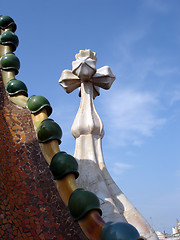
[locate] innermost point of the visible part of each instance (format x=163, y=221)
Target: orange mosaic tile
x=30, y=206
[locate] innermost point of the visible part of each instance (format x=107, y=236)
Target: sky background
x=140, y=41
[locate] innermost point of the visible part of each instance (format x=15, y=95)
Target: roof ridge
x=84, y=206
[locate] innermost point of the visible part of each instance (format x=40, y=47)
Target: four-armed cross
x=88, y=132
x=88, y=128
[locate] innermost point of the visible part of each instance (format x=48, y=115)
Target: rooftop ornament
x=36, y=103
x=84, y=70
x=7, y=22
x=9, y=38
x=88, y=128
x=15, y=87
x=9, y=62
x=88, y=131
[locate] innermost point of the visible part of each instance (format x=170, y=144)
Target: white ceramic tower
x=88, y=131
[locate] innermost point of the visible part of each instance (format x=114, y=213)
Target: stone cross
x=88, y=131
x=88, y=128
x=84, y=70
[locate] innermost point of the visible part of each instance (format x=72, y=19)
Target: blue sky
x=140, y=41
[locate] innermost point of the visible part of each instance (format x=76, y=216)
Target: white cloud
x=135, y=114
x=136, y=65
x=175, y=95
x=126, y=42
x=159, y=5
x=132, y=115
x=164, y=71
x=119, y=168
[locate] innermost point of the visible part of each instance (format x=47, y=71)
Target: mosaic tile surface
x=30, y=206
